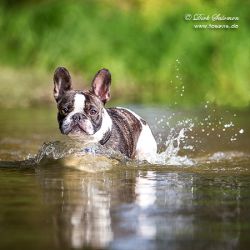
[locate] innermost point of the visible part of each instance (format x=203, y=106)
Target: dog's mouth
x=80, y=129
x=76, y=129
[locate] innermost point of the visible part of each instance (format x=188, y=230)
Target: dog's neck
x=103, y=134
x=106, y=137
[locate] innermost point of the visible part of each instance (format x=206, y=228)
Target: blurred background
x=154, y=54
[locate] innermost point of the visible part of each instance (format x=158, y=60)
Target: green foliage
x=141, y=43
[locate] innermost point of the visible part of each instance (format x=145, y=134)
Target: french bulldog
x=83, y=113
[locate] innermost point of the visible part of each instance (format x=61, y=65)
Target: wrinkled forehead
x=92, y=99
x=79, y=99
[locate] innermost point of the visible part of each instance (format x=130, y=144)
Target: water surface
x=195, y=195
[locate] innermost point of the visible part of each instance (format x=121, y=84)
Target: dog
x=83, y=113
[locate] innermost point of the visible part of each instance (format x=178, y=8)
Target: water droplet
x=229, y=125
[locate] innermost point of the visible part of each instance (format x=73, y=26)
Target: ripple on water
x=92, y=158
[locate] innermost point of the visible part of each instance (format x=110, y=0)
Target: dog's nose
x=78, y=117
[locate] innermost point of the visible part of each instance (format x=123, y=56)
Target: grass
x=150, y=49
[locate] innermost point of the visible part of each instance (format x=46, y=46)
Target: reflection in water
x=146, y=209
x=159, y=199
x=145, y=190
x=131, y=208
x=82, y=209
x=90, y=219
x=119, y=209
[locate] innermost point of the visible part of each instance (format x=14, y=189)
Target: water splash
x=212, y=124
x=222, y=124
x=174, y=149
x=91, y=157
x=174, y=143
x=177, y=139
x=77, y=155
x=178, y=81
x=225, y=156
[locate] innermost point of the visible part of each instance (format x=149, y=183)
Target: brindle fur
x=125, y=132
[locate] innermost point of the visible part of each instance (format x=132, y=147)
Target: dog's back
x=135, y=136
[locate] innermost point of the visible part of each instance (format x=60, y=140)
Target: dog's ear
x=101, y=85
x=62, y=82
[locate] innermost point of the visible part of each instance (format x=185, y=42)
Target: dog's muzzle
x=80, y=123
x=78, y=118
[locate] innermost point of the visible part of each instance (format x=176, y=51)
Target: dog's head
x=81, y=112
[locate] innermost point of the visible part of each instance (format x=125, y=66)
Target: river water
x=195, y=194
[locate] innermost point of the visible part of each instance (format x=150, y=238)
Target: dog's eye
x=92, y=111
x=64, y=111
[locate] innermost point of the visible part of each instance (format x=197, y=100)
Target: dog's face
x=81, y=112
